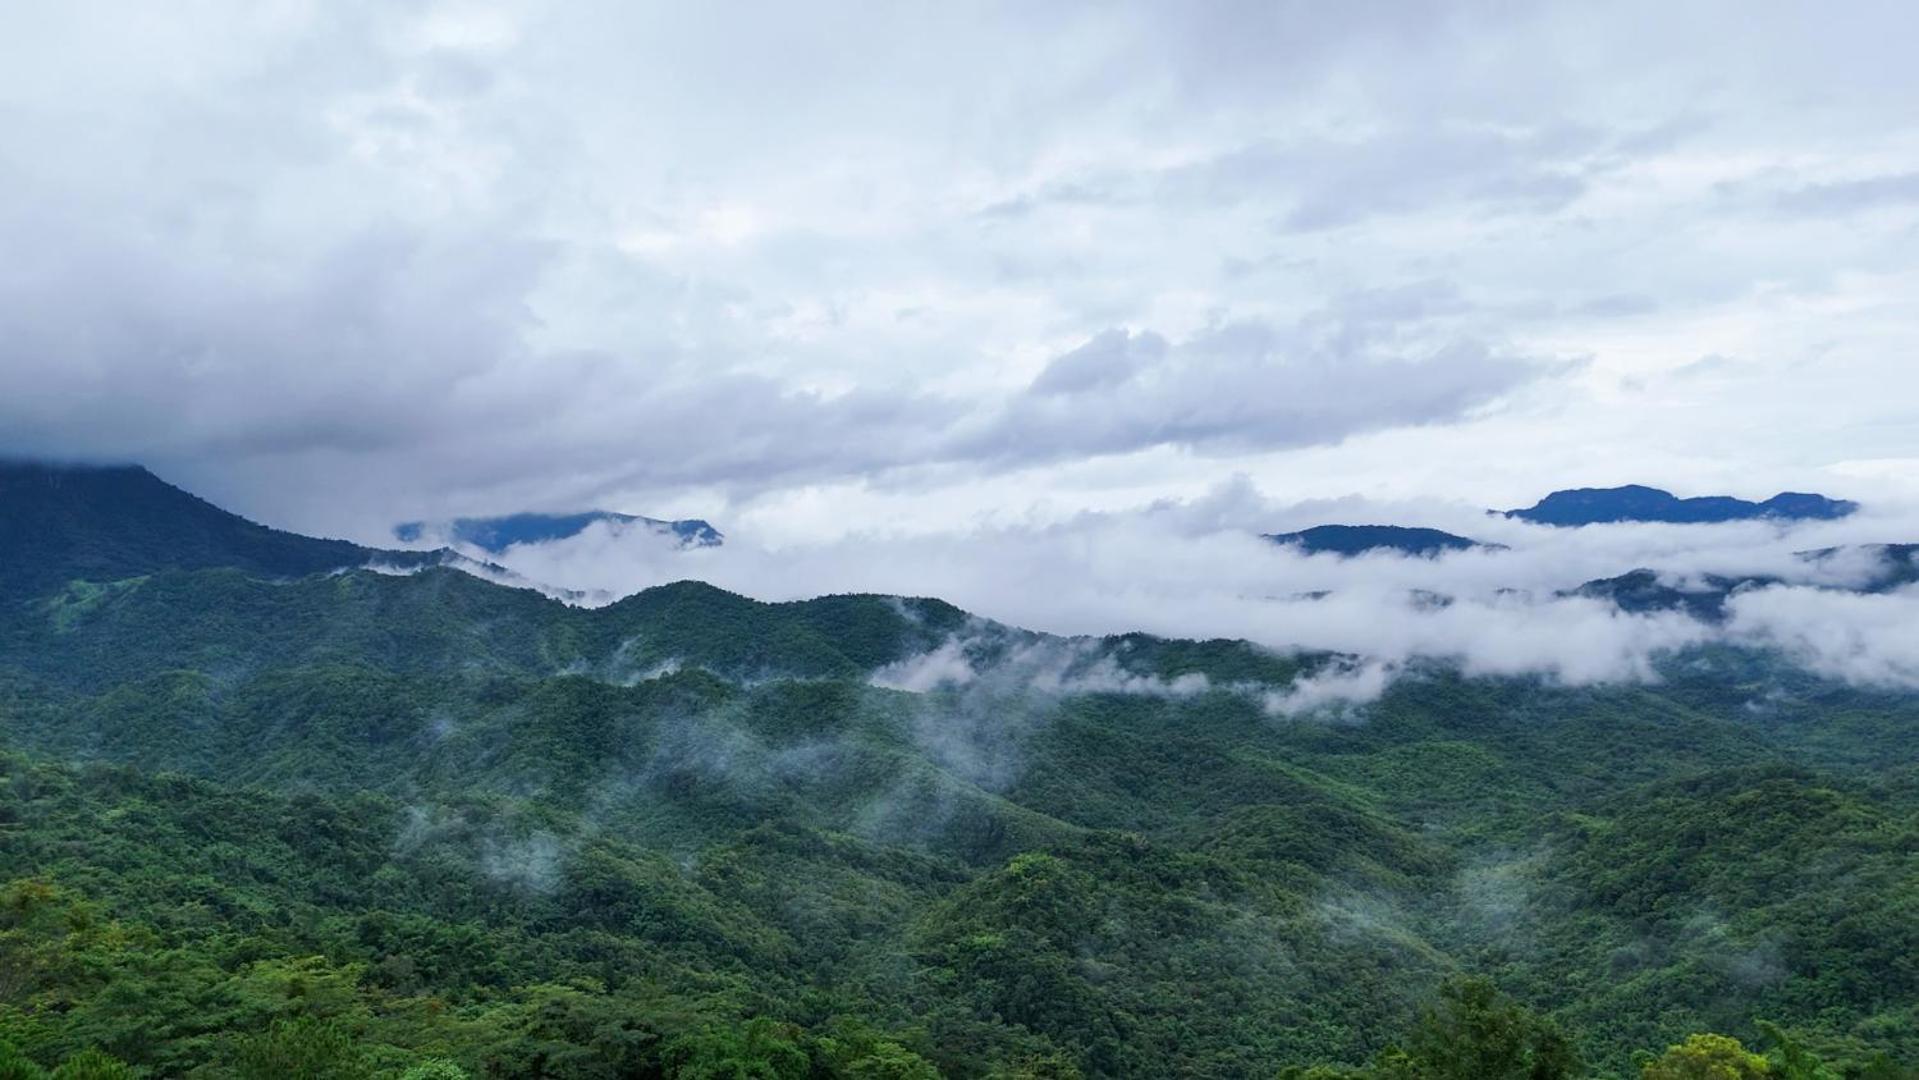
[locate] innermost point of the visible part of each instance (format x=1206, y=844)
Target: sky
x=824, y=272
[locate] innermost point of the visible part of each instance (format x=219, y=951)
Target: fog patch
x=982, y=693
x=947, y=665
x=1859, y=638
x=531, y=863
x=1494, y=897
x=500, y=851
x=1337, y=690
x=1370, y=918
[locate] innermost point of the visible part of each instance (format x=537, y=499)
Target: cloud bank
x=1198, y=570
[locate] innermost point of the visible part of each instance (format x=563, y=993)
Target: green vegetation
x=362, y=825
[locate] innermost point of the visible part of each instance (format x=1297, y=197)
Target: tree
x=17, y=1066
x=858, y=1052
x=306, y=1048
x=1707, y=1057
x=1791, y=1060
x=1054, y=1066
x=761, y=1049
x=1476, y=1033
x=93, y=1065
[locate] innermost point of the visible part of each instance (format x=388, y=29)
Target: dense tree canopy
x=363, y=825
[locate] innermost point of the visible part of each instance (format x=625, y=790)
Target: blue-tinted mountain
x=100, y=523
x=1359, y=539
x=496, y=534
x=1636, y=502
x=1643, y=591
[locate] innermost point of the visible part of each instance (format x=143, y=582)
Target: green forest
x=265, y=815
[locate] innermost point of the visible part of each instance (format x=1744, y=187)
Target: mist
x=1198, y=569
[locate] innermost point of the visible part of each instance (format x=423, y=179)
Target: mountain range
x=266, y=810
x=1704, y=596
x=1635, y=502
x=1569, y=508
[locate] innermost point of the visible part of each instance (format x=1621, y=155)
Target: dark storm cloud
x=413, y=347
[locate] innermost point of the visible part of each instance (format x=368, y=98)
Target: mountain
x=1641, y=591
x=359, y=824
x=495, y=534
x=1359, y=539
x=1871, y=568
x=1634, y=502
x=102, y=523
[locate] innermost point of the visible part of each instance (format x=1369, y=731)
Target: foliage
x=353, y=824
x=1707, y=1057
x=1471, y=1033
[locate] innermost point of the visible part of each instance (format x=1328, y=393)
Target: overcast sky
x=805, y=268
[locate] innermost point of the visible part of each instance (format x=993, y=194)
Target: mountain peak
x=61, y=522
x=1640, y=503
x=1358, y=539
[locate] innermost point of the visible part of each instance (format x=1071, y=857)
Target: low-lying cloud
x=1199, y=570
x=1047, y=666
x=1869, y=639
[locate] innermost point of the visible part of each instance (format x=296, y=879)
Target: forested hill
x=261, y=817
x=60, y=523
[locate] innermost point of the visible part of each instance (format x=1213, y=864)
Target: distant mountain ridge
x=495, y=534
x=1639, y=503
x=1359, y=539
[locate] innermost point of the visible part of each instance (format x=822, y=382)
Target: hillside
x=106, y=523
x=344, y=824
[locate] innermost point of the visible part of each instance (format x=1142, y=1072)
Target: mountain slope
x=378, y=818
x=102, y=523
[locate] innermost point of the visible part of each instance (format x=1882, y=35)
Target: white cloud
x=352, y=263
x=1198, y=570
x=1334, y=689
x=1859, y=638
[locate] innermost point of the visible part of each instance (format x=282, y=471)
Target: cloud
x=947, y=665
x=409, y=347
x=341, y=265
x=1849, y=196
x=1243, y=386
x=1337, y=688
x=1197, y=569
x=1111, y=358
x=1858, y=638
x=983, y=662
